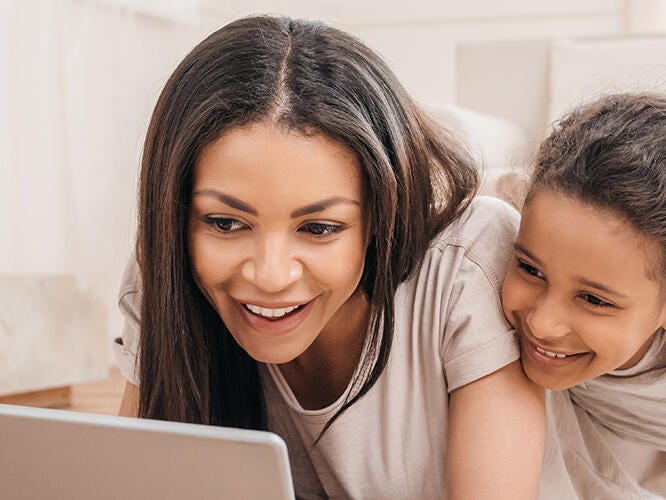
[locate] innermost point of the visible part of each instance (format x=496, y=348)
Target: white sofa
x=528, y=84
x=532, y=82
x=499, y=146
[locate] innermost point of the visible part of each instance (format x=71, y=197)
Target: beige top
x=449, y=331
x=605, y=437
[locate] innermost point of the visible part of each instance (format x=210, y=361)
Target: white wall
x=419, y=37
x=94, y=68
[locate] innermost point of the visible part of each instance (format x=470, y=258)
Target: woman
x=298, y=276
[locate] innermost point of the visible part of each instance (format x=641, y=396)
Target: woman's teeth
x=271, y=313
x=551, y=354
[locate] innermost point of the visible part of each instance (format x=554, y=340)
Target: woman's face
x=579, y=293
x=277, y=236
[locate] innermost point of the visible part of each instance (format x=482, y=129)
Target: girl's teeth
x=270, y=313
x=550, y=354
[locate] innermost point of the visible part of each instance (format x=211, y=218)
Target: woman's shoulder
x=130, y=283
x=487, y=227
x=126, y=346
x=476, y=247
x=452, y=305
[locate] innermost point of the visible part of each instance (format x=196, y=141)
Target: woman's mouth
x=274, y=320
x=272, y=313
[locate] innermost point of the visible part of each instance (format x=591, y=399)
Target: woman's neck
x=320, y=375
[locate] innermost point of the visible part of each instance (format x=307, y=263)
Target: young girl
x=587, y=294
x=296, y=274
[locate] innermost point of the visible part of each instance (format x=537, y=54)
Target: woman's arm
x=129, y=406
x=496, y=437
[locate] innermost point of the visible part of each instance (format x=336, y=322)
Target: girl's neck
x=631, y=362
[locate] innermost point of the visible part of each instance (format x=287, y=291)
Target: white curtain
x=78, y=79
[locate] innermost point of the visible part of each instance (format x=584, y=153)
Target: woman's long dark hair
x=311, y=78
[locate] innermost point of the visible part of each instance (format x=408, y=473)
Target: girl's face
x=277, y=237
x=579, y=291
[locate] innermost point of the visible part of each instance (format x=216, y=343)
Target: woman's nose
x=273, y=267
x=547, y=318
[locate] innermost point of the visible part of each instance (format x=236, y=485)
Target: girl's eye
x=321, y=229
x=595, y=301
x=531, y=270
x=223, y=224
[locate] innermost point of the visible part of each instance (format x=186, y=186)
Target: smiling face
x=277, y=238
x=579, y=293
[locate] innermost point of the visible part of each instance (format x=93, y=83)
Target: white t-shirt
x=449, y=331
x=586, y=459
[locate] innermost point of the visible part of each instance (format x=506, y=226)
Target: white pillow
x=498, y=145
x=584, y=69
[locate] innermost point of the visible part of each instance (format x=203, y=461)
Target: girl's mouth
x=548, y=357
x=552, y=354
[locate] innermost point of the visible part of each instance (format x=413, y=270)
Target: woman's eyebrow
x=323, y=205
x=234, y=202
x=227, y=199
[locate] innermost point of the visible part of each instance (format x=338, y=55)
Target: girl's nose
x=273, y=267
x=547, y=318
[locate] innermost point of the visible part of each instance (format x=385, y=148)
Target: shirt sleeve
x=477, y=340
x=125, y=348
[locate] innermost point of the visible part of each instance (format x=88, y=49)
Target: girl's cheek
x=507, y=302
x=512, y=296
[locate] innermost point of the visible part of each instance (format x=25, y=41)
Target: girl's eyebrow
x=588, y=283
x=519, y=248
x=317, y=206
x=603, y=288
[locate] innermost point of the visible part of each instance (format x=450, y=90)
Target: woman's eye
x=531, y=270
x=223, y=224
x=321, y=229
x=595, y=301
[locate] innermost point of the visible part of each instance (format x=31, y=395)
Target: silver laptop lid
x=55, y=454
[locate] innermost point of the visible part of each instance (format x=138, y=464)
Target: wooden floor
x=102, y=396
x=98, y=397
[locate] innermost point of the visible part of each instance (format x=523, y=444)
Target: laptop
x=57, y=454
